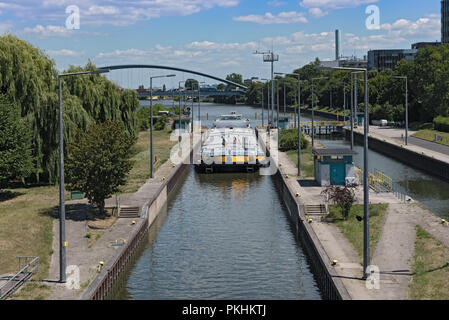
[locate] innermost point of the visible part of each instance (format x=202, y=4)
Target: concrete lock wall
x=330, y=286
x=105, y=281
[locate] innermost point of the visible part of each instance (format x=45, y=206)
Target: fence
x=28, y=266
x=380, y=182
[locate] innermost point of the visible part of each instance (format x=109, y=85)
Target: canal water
x=430, y=191
x=224, y=236
x=221, y=236
x=227, y=236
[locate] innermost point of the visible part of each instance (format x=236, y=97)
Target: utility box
x=334, y=167
x=76, y=195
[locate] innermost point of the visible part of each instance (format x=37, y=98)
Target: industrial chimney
x=337, y=45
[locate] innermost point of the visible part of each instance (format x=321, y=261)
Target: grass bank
x=26, y=229
x=429, y=135
x=26, y=223
x=307, y=166
x=140, y=173
x=352, y=229
x=430, y=268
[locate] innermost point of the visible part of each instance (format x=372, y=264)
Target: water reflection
x=226, y=236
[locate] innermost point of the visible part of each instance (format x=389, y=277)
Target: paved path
x=78, y=252
x=437, y=147
x=394, y=253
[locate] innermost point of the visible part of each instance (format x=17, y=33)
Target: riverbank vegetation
x=428, y=90
x=29, y=145
x=430, y=269
x=140, y=172
x=29, y=80
x=352, y=228
x=429, y=135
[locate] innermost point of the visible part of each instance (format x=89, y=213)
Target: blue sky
x=214, y=36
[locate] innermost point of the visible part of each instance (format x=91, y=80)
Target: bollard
x=207, y=116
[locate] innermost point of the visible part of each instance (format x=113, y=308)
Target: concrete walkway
x=87, y=259
x=394, y=253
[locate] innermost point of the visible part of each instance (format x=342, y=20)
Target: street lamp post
x=366, y=237
x=179, y=127
x=272, y=111
x=313, y=108
x=151, y=122
x=299, y=116
x=344, y=102
x=263, y=119
x=406, y=105
x=199, y=101
x=62, y=237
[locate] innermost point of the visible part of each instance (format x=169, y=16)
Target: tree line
x=428, y=88
x=29, y=105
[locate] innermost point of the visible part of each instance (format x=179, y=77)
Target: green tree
x=15, y=143
x=99, y=160
x=191, y=84
x=29, y=78
x=234, y=77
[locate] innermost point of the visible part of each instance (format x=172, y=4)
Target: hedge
x=441, y=123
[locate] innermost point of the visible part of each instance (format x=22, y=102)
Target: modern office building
x=389, y=58
x=424, y=45
x=445, y=21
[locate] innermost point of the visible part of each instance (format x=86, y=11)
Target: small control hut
x=334, y=167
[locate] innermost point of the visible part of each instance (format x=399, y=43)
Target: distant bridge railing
x=189, y=93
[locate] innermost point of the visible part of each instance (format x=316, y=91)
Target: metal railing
x=28, y=266
x=381, y=183
x=400, y=192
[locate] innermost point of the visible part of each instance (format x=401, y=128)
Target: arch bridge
x=149, y=66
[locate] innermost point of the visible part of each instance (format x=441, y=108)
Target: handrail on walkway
x=28, y=266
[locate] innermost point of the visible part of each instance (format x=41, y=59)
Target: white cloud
x=48, y=31
x=317, y=12
x=427, y=27
x=269, y=18
x=276, y=3
x=5, y=27
x=102, y=10
x=109, y=12
x=64, y=53
x=335, y=4
x=320, y=8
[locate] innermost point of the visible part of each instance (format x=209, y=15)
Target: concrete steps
x=316, y=210
x=129, y=212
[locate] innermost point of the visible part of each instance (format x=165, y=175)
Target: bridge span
x=188, y=93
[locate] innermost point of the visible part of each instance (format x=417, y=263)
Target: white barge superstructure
x=231, y=145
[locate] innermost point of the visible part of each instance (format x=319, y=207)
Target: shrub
x=288, y=140
x=441, y=123
x=161, y=123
